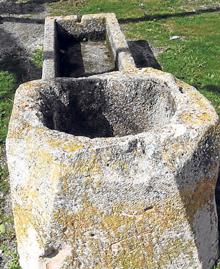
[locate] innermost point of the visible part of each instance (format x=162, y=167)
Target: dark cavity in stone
x=83, y=55
x=102, y=108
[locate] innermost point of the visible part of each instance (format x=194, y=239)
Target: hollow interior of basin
x=107, y=108
x=82, y=53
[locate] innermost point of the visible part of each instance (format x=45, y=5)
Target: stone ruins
x=111, y=166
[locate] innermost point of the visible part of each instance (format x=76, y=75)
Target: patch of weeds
x=3, y=179
x=217, y=265
x=7, y=83
x=7, y=234
x=14, y=262
x=5, y=111
x=37, y=57
x=7, y=88
x=11, y=255
x=6, y=220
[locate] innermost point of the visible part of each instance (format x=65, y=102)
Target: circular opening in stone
x=107, y=107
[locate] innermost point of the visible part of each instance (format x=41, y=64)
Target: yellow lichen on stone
x=87, y=165
x=173, y=249
x=183, y=84
x=171, y=152
x=35, y=212
x=199, y=100
x=193, y=119
x=130, y=228
x=120, y=164
x=19, y=132
x=30, y=85
x=66, y=146
x=24, y=221
x=150, y=70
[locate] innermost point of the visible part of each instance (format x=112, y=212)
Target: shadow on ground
x=143, y=54
x=21, y=20
x=32, y=6
x=168, y=15
x=15, y=59
x=212, y=88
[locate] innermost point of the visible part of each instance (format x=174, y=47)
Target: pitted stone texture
x=142, y=198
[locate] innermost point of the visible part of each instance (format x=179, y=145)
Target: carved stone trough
x=81, y=46
x=116, y=170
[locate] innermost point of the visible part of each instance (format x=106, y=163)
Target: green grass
x=7, y=87
x=132, y=8
x=37, y=57
x=195, y=57
x=7, y=234
x=14, y=260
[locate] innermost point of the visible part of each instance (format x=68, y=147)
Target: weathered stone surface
x=114, y=171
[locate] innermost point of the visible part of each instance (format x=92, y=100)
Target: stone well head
x=103, y=107
x=114, y=171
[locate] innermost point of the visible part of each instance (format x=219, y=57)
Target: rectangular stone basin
x=82, y=46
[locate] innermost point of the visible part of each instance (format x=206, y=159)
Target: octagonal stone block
x=114, y=171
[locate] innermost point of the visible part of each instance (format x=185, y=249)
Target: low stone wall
x=114, y=171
